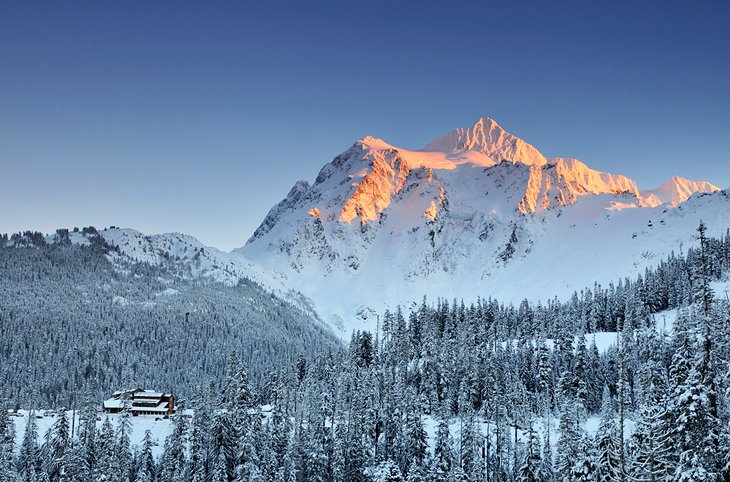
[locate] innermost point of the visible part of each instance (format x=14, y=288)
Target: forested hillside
x=449, y=392
x=71, y=322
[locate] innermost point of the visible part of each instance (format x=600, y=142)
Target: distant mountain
x=677, y=190
x=477, y=212
x=179, y=254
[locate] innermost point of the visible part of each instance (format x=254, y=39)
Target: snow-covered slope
x=477, y=212
x=186, y=257
x=184, y=251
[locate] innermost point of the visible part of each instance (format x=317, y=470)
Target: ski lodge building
x=141, y=402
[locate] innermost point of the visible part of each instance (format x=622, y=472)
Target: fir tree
x=570, y=442
x=223, y=442
x=106, y=468
x=55, y=447
x=388, y=471
x=28, y=463
x=442, y=456
x=147, y=466
x=220, y=469
x=531, y=469
x=608, y=460
x=7, y=444
x=124, y=428
x=471, y=444
x=695, y=429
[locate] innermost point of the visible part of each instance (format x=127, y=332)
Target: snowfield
x=158, y=426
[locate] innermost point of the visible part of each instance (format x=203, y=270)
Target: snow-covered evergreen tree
x=442, y=453
x=532, y=468
x=7, y=443
x=608, y=460
x=57, y=441
x=28, y=462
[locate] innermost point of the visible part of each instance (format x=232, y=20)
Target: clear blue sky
x=198, y=116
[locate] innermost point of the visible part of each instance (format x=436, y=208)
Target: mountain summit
x=677, y=190
x=488, y=138
x=477, y=212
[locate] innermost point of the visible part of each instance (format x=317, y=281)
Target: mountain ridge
x=472, y=205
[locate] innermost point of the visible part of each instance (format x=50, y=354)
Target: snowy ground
x=539, y=426
x=159, y=427
x=605, y=340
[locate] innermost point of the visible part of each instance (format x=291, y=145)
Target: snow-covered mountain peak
x=677, y=190
x=370, y=142
x=362, y=183
x=489, y=138
x=472, y=213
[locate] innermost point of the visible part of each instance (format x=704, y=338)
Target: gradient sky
x=198, y=116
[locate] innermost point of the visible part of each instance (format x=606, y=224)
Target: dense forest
x=73, y=322
x=454, y=392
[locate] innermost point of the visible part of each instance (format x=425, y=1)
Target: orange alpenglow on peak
x=314, y=212
x=561, y=182
x=378, y=171
x=373, y=194
x=488, y=138
x=676, y=190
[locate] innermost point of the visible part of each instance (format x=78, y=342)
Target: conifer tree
x=124, y=428
x=696, y=429
x=142, y=476
x=547, y=453
x=703, y=292
x=388, y=471
x=608, y=461
x=76, y=467
x=584, y=468
x=173, y=463
x=652, y=459
x=7, y=444
x=415, y=473
x=532, y=469
x=87, y=431
x=570, y=441
x=471, y=444
x=28, y=463
x=223, y=442
x=442, y=456
x=220, y=469
x=147, y=466
x=106, y=468
x=339, y=453
x=54, y=449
